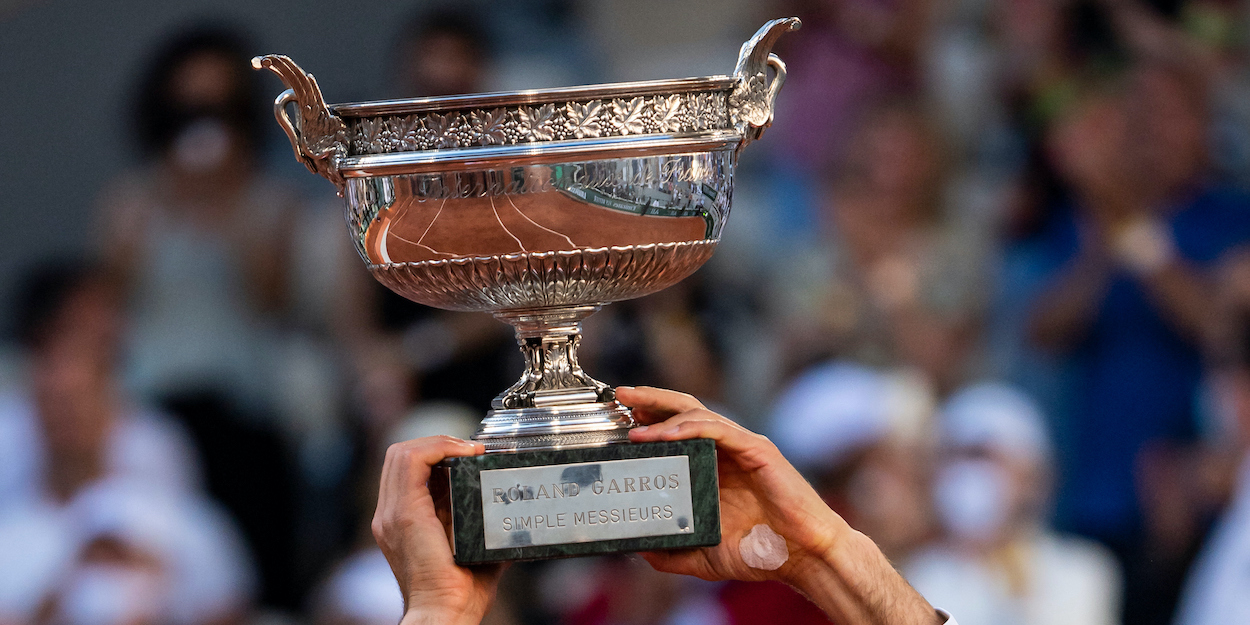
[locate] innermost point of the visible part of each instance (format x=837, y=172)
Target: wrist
x=812, y=548
x=813, y=570
x=424, y=615
x=852, y=581
x=439, y=608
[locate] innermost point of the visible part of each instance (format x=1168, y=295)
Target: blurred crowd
x=986, y=283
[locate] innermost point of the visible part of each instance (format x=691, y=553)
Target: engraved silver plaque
x=586, y=502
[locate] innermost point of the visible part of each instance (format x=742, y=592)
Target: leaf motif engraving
x=441, y=128
x=584, y=119
x=370, y=131
x=749, y=102
x=720, y=109
x=540, y=121
x=412, y=135
x=700, y=109
x=488, y=126
x=387, y=135
x=668, y=113
x=630, y=116
x=673, y=113
x=444, y=128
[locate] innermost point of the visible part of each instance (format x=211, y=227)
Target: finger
x=490, y=573
x=408, y=465
x=661, y=429
x=659, y=560
x=404, y=499
x=651, y=405
x=419, y=455
x=748, y=449
x=679, y=561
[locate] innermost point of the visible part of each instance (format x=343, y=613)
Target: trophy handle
x=318, y=136
x=751, y=102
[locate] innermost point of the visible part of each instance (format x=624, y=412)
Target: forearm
x=1064, y=311
x=457, y=596
x=854, y=583
x=1185, y=299
x=1144, y=246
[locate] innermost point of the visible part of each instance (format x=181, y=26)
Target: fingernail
x=628, y=388
x=642, y=428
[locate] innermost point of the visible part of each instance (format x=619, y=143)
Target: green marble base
x=459, y=486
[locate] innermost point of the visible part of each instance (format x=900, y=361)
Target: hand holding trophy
x=541, y=207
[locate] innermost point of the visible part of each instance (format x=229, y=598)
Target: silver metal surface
x=539, y=207
x=677, y=113
x=556, y=152
x=535, y=96
x=584, y=502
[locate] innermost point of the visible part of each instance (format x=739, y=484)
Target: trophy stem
x=554, y=405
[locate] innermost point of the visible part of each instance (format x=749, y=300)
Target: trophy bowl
x=539, y=207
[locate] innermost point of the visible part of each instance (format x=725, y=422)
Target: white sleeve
x=950, y=620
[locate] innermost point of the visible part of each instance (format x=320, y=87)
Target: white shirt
x=1218, y=588
x=36, y=551
x=1071, y=581
x=206, y=569
x=143, y=445
x=363, y=590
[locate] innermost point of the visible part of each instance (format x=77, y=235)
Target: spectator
x=667, y=339
x=101, y=517
x=197, y=233
x=361, y=591
x=872, y=49
x=1131, y=306
x=75, y=424
x=893, y=282
x=997, y=562
x=144, y=558
x=442, y=53
x=1217, y=590
x=201, y=236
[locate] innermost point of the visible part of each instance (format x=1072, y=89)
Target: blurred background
x=986, y=282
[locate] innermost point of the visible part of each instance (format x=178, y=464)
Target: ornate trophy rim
x=525, y=97
x=604, y=121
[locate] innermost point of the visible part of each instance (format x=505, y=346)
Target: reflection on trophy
x=540, y=207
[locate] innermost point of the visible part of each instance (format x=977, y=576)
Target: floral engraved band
x=661, y=114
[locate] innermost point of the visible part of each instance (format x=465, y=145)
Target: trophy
x=540, y=207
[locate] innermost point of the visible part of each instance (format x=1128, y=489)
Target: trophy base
x=555, y=427
x=626, y=497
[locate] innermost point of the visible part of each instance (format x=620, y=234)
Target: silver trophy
x=540, y=207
